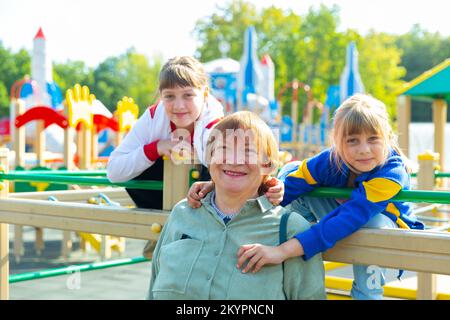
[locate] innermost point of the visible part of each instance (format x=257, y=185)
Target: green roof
x=434, y=83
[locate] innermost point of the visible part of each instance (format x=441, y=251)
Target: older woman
x=196, y=255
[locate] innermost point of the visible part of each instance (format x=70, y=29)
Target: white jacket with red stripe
x=128, y=160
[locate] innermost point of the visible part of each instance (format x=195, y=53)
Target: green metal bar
x=437, y=174
x=409, y=196
x=81, y=173
x=90, y=181
x=69, y=270
x=442, y=174
x=402, y=196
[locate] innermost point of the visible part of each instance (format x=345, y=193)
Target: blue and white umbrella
x=350, y=82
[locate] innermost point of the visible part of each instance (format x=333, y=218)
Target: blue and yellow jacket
x=371, y=196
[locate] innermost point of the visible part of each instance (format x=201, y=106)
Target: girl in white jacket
x=184, y=117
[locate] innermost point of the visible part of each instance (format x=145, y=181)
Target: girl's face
x=363, y=151
x=183, y=105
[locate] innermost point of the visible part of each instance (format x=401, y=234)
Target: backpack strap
x=283, y=227
x=283, y=238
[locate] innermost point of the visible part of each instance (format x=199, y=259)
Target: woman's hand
x=198, y=191
x=259, y=255
x=274, y=190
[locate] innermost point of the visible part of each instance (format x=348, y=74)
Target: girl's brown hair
x=183, y=71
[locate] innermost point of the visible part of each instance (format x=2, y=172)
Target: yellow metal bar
x=333, y=265
x=338, y=283
x=333, y=296
x=389, y=291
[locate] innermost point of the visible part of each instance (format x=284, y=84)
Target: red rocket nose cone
x=266, y=60
x=39, y=34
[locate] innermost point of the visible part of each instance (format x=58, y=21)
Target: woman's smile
x=234, y=174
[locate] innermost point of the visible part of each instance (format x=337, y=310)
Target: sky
x=93, y=30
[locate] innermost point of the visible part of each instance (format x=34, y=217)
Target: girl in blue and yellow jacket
x=363, y=156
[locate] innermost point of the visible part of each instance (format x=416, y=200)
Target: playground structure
x=78, y=117
x=390, y=248
x=433, y=85
x=422, y=251
x=249, y=84
x=304, y=139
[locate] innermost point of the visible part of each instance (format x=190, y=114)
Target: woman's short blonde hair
x=266, y=144
x=182, y=71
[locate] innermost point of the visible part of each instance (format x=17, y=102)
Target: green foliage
x=130, y=75
x=422, y=50
x=308, y=48
x=380, y=69
x=228, y=25
x=4, y=100
x=13, y=66
x=66, y=75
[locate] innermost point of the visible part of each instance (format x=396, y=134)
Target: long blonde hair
x=362, y=113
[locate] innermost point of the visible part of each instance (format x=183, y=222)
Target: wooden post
x=105, y=247
x=176, y=183
x=94, y=145
x=84, y=151
x=19, y=136
x=66, y=245
x=84, y=157
x=426, y=282
x=68, y=140
x=425, y=175
x=40, y=143
x=403, y=120
x=440, y=119
x=4, y=232
x=40, y=156
x=19, y=149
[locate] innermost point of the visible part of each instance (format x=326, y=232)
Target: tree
x=130, y=75
x=422, y=50
x=227, y=25
x=308, y=48
x=13, y=66
x=380, y=68
x=66, y=75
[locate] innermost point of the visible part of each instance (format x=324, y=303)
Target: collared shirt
x=225, y=217
x=196, y=256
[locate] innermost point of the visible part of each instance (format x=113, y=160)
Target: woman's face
x=234, y=166
x=183, y=105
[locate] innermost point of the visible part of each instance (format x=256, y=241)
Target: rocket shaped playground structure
x=247, y=84
x=38, y=90
x=350, y=81
x=256, y=78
